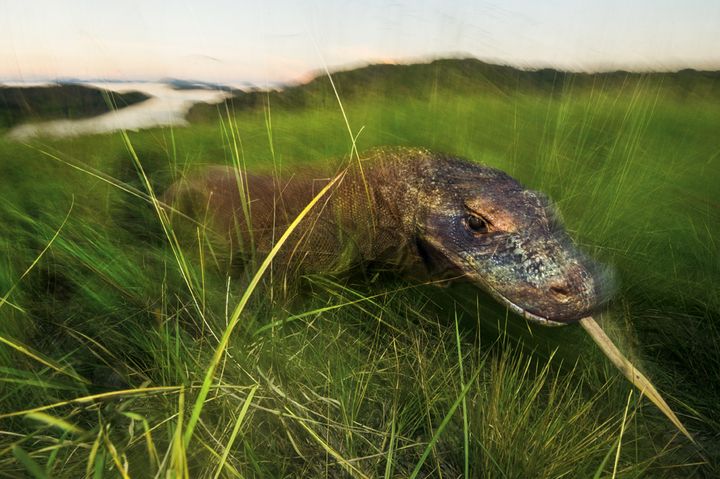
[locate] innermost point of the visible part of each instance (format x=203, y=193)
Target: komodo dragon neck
x=370, y=216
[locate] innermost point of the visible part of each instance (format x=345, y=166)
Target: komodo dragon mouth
x=525, y=313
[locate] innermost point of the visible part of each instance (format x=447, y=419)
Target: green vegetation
x=379, y=378
x=19, y=105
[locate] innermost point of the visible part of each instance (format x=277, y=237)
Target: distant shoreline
x=161, y=106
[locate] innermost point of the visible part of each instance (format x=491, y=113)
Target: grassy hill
x=108, y=332
x=21, y=105
x=460, y=76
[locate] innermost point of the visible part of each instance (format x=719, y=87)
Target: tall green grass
x=109, y=357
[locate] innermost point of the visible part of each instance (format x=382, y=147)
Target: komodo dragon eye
x=477, y=224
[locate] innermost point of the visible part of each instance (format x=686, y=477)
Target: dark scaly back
x=368, y=216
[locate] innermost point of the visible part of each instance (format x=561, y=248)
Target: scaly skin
x=415, y=212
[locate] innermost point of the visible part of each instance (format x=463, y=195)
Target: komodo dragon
x=413, y=211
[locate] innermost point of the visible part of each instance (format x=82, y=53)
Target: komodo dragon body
x=412, y=211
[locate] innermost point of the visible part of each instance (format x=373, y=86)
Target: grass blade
x=152, y=450
x=55, y=422
x=96, y=458
x=120, y=464
x=466, y=429
x=391, y=450
x=622, y=432
x=32, y=467
x=236, y=429
x=91, y=398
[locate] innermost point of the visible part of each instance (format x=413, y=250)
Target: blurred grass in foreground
x=375, y=380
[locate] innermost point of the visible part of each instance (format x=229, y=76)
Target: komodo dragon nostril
x=560, y=292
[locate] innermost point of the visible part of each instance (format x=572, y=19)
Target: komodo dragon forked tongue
x=637, y=378
x=415, y=211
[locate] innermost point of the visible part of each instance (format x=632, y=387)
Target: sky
x=264, y=42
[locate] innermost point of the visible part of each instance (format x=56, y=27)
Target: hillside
x=19, y=104
x=469, y=76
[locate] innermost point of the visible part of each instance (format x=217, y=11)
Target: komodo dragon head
x=483, y=225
